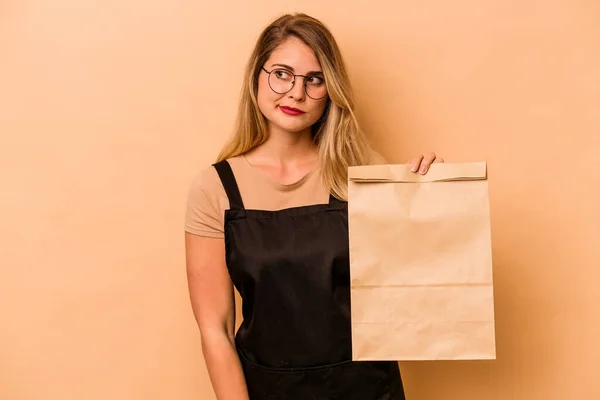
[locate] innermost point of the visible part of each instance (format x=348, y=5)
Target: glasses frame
x=293, y=83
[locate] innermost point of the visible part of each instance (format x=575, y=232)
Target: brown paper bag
x=421, y=263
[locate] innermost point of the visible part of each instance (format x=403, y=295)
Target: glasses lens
x=315, y=87
x=281, y=81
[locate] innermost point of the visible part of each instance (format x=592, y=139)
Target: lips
x=291, y=110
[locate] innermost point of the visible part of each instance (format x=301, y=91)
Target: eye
x=282, y=74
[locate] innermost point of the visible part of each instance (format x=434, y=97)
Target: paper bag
x=420, y=263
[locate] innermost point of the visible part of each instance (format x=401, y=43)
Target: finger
x=415, y=163
x=427, y=160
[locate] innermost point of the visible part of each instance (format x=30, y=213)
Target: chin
x=291, y=126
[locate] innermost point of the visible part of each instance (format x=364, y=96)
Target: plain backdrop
x=108, y=109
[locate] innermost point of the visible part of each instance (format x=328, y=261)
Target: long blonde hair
x=337, y=134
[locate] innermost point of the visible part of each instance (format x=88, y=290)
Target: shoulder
x=206, y=182
x=206, y=201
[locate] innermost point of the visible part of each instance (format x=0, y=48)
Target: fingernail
x=423, y=168
x=413, y=168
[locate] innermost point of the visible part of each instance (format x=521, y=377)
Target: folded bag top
x=438, y=172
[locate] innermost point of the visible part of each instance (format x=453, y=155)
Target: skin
x=285, y=157
x=289, y=153
x=422, y=162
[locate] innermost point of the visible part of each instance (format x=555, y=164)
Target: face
x=293, y=111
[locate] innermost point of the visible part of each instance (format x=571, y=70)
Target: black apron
x=291, y=268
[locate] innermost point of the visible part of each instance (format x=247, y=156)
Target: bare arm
x=213, y=304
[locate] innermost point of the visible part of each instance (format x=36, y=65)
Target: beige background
x=107, y=110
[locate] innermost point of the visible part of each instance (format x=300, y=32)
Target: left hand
x=422, y=162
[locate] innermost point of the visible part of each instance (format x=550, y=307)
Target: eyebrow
x=293, y=70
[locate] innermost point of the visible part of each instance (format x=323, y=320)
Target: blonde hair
x=337, y=134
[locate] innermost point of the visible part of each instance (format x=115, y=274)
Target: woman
x=270, y=218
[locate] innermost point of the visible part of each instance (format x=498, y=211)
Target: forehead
x=296, y=54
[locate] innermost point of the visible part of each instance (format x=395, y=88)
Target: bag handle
x=438, y=172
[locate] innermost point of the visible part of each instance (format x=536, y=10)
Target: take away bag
x=421, y=263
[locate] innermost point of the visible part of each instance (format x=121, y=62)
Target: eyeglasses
x=282, y=81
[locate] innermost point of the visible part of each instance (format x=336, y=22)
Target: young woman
x=270, y=218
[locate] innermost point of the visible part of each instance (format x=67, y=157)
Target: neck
x=289, y=148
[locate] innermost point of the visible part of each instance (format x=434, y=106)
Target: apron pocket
x=348, y=380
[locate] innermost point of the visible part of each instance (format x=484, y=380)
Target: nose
x=298, y=90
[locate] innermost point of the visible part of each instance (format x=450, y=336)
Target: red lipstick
x=291, y=111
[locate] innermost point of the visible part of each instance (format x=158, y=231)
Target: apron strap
x=230, y=185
